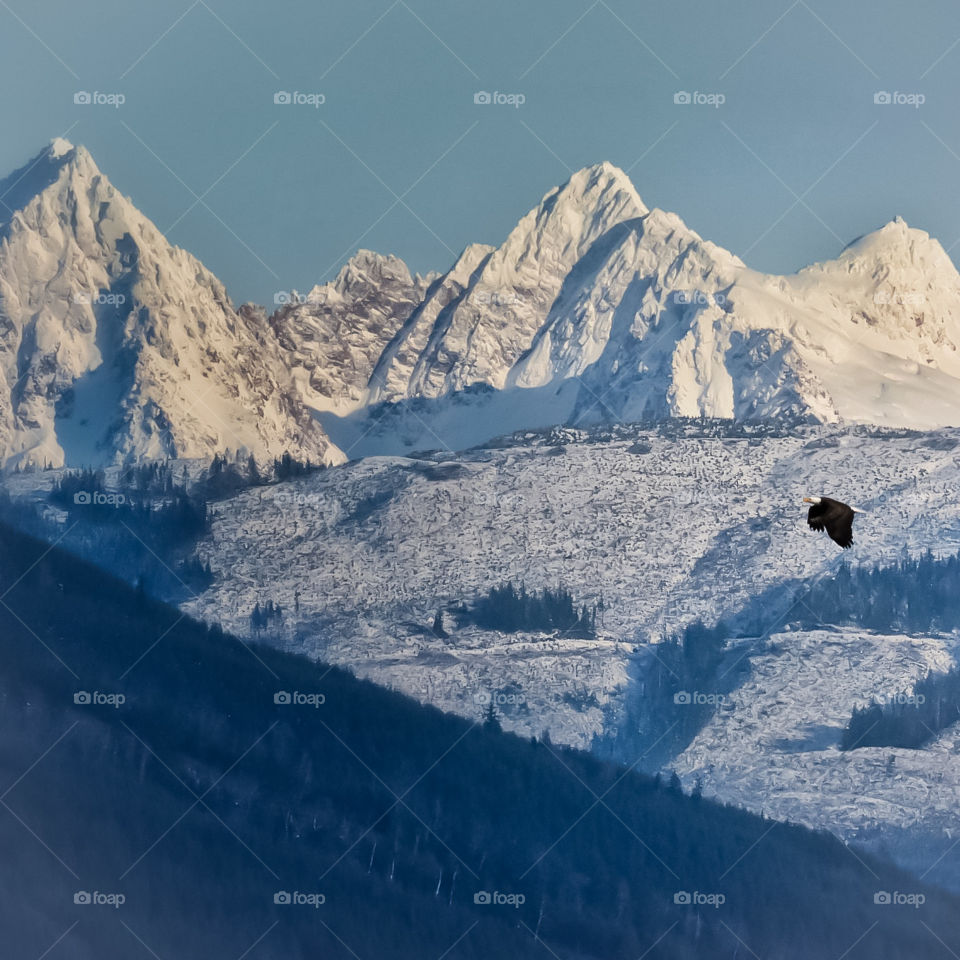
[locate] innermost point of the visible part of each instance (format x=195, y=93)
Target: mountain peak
x=893, y=233
x=367, y=265
x=604, y=170
x=59, y=146
x=595, y=184
x=111, y=334
x=39, y=172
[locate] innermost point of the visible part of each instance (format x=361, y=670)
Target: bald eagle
x=834, y=517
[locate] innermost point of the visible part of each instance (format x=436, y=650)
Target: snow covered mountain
x=871, y=336
x=597, y=308
x=477, y=337
x=116, y=345
x=334, y=335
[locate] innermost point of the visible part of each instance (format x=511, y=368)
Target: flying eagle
x=834, y=517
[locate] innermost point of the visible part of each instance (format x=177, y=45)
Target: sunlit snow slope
x=116, y=345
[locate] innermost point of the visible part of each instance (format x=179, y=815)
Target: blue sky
x=796, y=161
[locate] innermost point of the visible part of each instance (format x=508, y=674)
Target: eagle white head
x=811, y=499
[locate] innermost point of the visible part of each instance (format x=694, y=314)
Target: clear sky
x=796, y=161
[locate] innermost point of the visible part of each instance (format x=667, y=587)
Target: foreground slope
x=775, y=745
x=171, y=789
x=667, y=525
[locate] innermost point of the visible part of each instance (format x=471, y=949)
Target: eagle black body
x=834, y=517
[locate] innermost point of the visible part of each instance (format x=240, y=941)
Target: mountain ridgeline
x=116, y=345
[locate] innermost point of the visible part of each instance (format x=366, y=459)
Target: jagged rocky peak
x=478, y=336
x=367, y=267
x=114, y=344
x=606, y=188
x=333, y=337
x=658, y=321
x=568, y=219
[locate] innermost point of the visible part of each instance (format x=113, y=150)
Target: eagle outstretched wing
x=834, y=517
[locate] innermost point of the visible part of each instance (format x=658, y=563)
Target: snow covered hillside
x=683, y=522
x=773, y=746
x=116, y=345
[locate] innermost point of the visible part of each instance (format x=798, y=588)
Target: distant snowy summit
x=116, y=345
x=654, y=321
